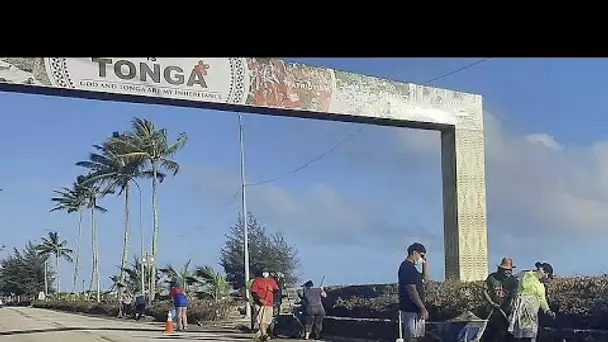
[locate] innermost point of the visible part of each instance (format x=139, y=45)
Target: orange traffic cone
x=169, y=329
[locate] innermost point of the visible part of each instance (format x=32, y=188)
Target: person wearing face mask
x=499, y=291
x=548, y=269
x=539, y=265
x=529, y=300
x=412, y=293
x=263, y=290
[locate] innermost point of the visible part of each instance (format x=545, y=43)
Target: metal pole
x=46, y=282
x=151, y=262
x=144, y=261
x=244, y=216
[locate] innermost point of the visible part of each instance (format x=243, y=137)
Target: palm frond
x=101, y=209
x=149, y=174
x=170, y=165
x=182, y=139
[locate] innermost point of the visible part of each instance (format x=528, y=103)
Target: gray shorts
x=413, y=325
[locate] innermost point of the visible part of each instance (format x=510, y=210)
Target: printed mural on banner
x=221, y=80
x=257, y=82
x=279, y=84
x=29, y=71
x=363, y=95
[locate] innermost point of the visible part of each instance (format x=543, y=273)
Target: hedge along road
x=19, y=324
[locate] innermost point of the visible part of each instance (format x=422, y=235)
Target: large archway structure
x=275, y=87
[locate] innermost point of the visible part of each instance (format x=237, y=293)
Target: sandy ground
x=38, y=325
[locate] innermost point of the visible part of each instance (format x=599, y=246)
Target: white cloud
x=545, y=140
x=536, y=185
x=539, y=189
x=317, y=214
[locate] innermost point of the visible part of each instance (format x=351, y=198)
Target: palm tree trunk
x=155, y=231
x=93, y=258
x=58, y=274
x=95, y=250
x=96, y=260
x=77, y=258
x=125, y=241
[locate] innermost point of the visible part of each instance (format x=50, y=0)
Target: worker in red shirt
x=263, y=294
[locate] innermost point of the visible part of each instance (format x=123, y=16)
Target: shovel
x=400, y=320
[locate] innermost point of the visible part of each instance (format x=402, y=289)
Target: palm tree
x=211, y=283
x=182, y=276
x=112, y=171
x=115, y=282
x=72, y=200
x=92, y=193
x=53, y=245
x=134, y=275
x=154, y=147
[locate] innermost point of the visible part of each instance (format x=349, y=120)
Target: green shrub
x=444, y=300
x=581, y=302
x=199, y=310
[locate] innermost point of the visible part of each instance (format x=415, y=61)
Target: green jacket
x=501, y=290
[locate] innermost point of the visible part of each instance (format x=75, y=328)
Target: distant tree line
x=121, y=161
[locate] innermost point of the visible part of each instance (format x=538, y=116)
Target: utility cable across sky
x=356, y=132
x=336, y=146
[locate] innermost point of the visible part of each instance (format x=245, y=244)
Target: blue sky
x=353, y=213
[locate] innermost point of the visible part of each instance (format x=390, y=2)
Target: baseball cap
x=416, y=247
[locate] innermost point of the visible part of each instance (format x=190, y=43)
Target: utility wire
x=353, y=134
x=229, y=203
x=330, y=150
x=312, y=161
x=470, y=65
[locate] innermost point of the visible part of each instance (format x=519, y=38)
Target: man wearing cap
x=411, y=293
x=548, y=270
x=499, y=291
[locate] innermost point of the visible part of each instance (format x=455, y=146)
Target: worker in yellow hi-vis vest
x=531, y=298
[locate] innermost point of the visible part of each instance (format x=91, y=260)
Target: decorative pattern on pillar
x=464, y=199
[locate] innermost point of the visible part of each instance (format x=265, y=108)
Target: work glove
x=550, y=314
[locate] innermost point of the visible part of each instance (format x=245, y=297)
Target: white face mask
x=419, y=262
x=265, y=274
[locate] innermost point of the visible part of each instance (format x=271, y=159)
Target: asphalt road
x=38, y=325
